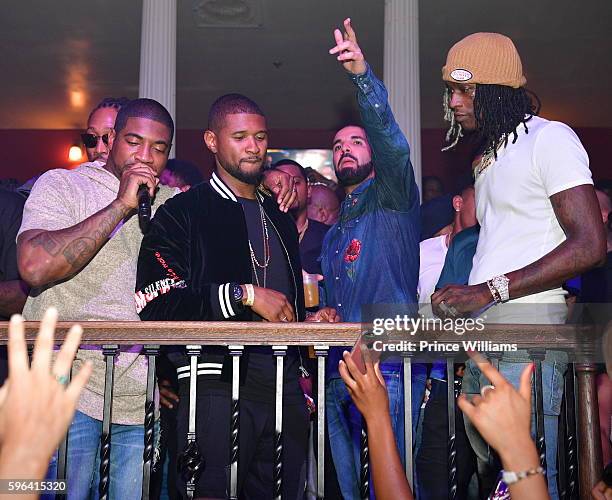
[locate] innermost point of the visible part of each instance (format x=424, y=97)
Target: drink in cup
x=311, y=290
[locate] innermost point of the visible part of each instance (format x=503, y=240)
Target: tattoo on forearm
x=79, y=243
x=79, y=251
x=50, y=243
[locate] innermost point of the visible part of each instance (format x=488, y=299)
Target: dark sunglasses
x=91, y=140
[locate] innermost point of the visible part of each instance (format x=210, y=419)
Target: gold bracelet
x=250, y=300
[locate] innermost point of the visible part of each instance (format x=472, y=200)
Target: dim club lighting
x=75, y=153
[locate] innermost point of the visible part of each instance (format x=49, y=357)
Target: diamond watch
x=500, y=285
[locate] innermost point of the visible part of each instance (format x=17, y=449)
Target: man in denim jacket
x=371, y=255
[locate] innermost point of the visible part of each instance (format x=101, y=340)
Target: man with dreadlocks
x=537, y=210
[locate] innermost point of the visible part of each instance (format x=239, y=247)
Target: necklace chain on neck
x=266, y=249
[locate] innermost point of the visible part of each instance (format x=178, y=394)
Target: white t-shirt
x=433, y=253
x=518, y=223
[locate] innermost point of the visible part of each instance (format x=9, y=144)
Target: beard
x=353, y=176
x=253, y=178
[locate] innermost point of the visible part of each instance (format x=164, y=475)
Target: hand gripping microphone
x=144, y=207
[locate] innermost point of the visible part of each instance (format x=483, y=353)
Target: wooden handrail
x=571, y=338
x=568, y=337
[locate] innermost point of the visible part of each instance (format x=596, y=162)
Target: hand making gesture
x=37, y=401
x=349, y=53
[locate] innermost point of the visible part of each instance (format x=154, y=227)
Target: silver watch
x=500, y=283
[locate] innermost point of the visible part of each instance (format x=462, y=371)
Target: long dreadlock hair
x=498, y=110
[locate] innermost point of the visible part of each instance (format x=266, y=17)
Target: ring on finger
x=62, y=379
x=485, y=388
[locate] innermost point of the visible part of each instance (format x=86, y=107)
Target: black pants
x=256, y=446
x=432, y=459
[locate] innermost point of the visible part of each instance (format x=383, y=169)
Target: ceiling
x=59, y=58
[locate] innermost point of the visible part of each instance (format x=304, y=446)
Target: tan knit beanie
x=488, y=58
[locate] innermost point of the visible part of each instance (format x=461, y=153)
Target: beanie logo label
x=461, y=75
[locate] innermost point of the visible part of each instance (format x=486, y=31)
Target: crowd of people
x=242, y=245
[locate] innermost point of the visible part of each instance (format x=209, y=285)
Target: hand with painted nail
x=37, y=402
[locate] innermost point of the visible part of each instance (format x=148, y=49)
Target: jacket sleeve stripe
x=222, y=303
x=228, y=302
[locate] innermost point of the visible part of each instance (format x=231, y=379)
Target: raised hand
x=367, y=390
x=501, y=414
x=36, y=402
x=347, y=48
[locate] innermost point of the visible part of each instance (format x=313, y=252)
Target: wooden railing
x=582, y=447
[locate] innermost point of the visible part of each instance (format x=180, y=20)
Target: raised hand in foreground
x=502, y=415
x=36, y=405
x=369, y=394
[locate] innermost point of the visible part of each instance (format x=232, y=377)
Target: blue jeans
x=344, y=424
x=83, y=467
x=552, y=391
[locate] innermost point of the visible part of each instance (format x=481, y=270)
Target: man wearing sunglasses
x=101, y=121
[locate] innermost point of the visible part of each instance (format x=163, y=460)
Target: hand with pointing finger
x=348, y=51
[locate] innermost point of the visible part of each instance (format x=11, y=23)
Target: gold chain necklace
x=266, y=249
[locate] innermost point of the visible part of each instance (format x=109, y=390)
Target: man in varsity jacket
x=224, y=251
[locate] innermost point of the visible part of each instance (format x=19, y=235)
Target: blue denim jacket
x=371, y=255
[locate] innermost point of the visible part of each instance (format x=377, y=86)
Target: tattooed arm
x=578, y=214
x=48, y=256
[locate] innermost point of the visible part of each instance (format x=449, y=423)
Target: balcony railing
x=580, y=457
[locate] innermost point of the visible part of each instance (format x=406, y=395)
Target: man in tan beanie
x=540, y=222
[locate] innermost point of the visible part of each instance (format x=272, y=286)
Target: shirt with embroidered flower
x=371, y=255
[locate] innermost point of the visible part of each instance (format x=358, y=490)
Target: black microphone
x=144, y=207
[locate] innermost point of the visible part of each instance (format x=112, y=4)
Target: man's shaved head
x=230, y=104
x=323, y=205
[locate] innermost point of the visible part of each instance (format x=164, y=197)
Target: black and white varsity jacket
x=196, y=246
